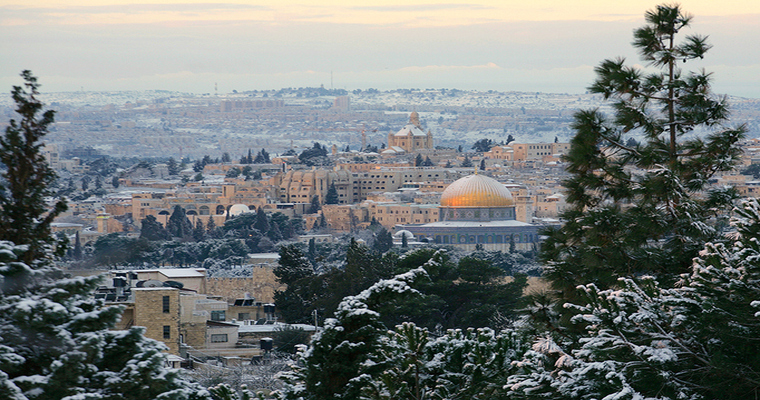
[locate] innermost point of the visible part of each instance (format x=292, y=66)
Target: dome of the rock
x=476, y=191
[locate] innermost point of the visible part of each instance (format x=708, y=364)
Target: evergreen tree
x=466, y=163
x=646, y=339
x=233, y=172
x=383, y=241
x=510, y=139
x=26, y=180
x=250, y=158
x=77, y=252
x=262, y=157
x=482, y=164
x=56, y=337
x=115, y=182
x=315, y=206
x=292, y=265
x=274, y=233
x=262, y=223
x=404, y=241
x=178, y=224
x=86, y=183
x=418, y=160
x=483, y=145
x=226, y=157
x=332, y=195
x=349, y=345
x=211, y=227
x=428, y=162
x=312, y=249
x=98, y=183
x=172, y=166
x=199, y=233
x=448, y=164
x=648, y=207
x=151, y=229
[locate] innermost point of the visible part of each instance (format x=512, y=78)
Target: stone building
x=409, y=139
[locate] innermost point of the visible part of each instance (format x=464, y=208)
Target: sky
x=206, y=46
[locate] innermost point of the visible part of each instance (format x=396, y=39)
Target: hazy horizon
x=547, y=46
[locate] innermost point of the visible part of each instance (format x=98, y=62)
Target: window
x=167, y=332
x=217, y=315
x=166, y=304
x=244, y=316
x=219, y=338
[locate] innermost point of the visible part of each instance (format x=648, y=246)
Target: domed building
x=409, y=139
x=477, y=210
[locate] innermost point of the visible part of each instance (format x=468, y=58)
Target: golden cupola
x=476, y=191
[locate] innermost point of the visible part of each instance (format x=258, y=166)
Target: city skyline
x=200, y=47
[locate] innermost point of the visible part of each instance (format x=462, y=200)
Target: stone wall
x=261, y=286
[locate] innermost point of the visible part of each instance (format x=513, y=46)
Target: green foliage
x=752, y=170
x=288, y=339
x=383, y=241
x=466, y=163
x=179, y=225
x=483, y=145
x=644, y=209
x=645, y=339
x=233, y=172
x=26, y=179
x=152, y=230
x=57, y=341
x=332, y=195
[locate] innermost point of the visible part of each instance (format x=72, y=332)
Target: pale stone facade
x=158, y=310
x=410, y=139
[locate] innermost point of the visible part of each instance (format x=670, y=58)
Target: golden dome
x=476, y=191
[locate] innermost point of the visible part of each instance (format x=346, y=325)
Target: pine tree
x=644, y=209
x=466, y=163
x=315, y=206
x=383, y=241
x=178, y=224
x=482, y=165
x=332, y=195
x=211, y=227
x=418, y=160
x=172, y=166
x=262, y=223
x=151, y=229
x=24, y=216
x=292, y=265
x=56, y=337
x=199, y=232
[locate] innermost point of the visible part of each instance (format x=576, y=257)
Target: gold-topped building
x=477, y=211
x=476, y=191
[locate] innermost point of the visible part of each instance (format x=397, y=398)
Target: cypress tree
x=262, y=224
x=644, y=209
x=332, y=195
